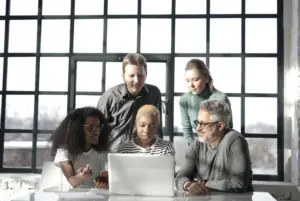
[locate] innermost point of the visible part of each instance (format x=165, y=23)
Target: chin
x=202, y=139
x=195, y=92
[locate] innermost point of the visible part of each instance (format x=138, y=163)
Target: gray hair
x=219, y=110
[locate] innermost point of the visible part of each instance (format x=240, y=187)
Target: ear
x=222, y=126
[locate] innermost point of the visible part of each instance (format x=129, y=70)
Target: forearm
x=234, y=184
x=188, y=135
x=76, y=180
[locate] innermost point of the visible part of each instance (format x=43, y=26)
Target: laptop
x=141, y=174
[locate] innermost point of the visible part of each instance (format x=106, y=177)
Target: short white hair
x=219, y=110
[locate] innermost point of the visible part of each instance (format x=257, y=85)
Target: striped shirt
x=160, y=147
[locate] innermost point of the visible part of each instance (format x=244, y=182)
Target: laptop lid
x=141, y=174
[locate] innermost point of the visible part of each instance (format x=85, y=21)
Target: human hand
x=85, y=172
x=198, y=188
x=102, y=181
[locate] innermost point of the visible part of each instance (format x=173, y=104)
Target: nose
x=136, y=78
x=191, y=84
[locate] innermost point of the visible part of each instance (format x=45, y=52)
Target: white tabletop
x=55, y=194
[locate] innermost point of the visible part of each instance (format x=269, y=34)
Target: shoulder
x=164, y=143
x=184, y=98
x=113, y=91
x=218, y=95
x=61, y=156
x=152, y=88
x=112, y=94
x=232, y=136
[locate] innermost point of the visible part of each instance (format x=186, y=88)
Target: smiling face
x=92, y=129
x=134, y=77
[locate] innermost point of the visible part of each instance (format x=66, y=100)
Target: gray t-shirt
x=226, y=167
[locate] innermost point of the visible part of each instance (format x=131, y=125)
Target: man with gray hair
x=220, y=157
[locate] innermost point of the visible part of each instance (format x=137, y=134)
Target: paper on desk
x=79, y=196
x=38, y=196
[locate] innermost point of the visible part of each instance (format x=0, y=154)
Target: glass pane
x=2, y=31
x=156, y=36
x=51, y=67
x=1, y=72
x=52, y=109
x=50, y=7
x=89, y=7
x=164, y=118
x=180, y=64
x=236, y=112
x=121, y=7
x=151, y=7
x=3, y=7
x=17, y=7
x=17, y=150
x=225, y=6
x=265, y=163
x=261, y=115
x=121, y=41
x=188, y=41
x=181, y=148
x=265, y=7
x=190, y=6
x=156, y=75
x=224, y=39
x=86, y=100
x=88, y=36
x=43, y=152
x=224, y=69
x=89, y=76
x=261, y=35
x=55, y=41
x=113, y=69
x=19, y=111
x=177, y=116
x=16, y=69
x=22, y=36
x=256, y=71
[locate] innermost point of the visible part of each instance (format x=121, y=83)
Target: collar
x=205, y=94
x=126, y=94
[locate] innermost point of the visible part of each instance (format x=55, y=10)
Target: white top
x=96, y=160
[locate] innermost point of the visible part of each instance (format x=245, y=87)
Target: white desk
x=82, y=194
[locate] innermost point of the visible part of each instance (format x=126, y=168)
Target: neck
x=145, y=145
x=87, y=147
x=217, y=140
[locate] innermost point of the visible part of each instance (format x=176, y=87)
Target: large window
x=58, y=55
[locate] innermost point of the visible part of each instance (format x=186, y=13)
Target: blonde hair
x=149, y=110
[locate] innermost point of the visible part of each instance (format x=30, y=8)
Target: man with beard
x=219, y=158
x=121, y=102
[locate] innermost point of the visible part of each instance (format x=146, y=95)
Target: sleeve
x=185, y=121
x=104, y=105
x=239, y=169
x=188, y=169
x=61, y=156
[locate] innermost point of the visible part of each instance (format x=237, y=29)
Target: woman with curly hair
x=80, y=145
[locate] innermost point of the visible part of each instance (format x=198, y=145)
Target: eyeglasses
x=204, y=124
x=92, y=128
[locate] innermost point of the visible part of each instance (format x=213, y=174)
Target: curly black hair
x=69, y=133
